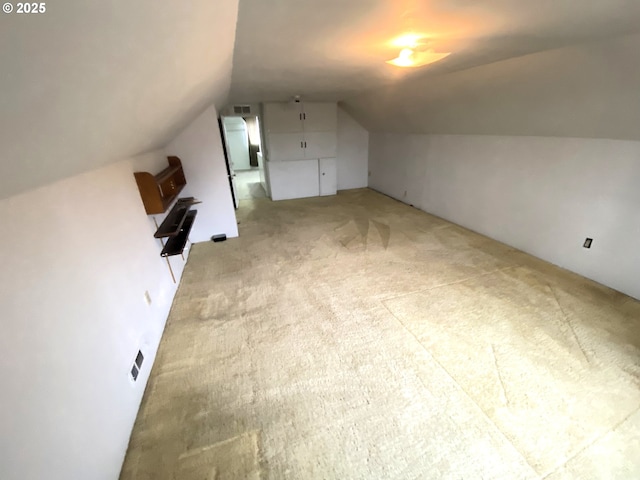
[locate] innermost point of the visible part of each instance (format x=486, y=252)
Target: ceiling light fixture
x=416, y=51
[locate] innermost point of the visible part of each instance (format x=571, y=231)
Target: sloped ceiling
x=589, y=90
x=88, y=83
x=549, y=67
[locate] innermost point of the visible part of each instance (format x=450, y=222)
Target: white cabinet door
x=320, y=144
x=283, y=117
x=328, y=174
x=320, y=117
x=285, y=146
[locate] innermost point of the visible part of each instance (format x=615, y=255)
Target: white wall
x=541, y=195
x=199, y=147
x=353, y=152
x=78, y=257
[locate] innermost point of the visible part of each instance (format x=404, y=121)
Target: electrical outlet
x=147, y=297
x=587, y=243
x=405, y=193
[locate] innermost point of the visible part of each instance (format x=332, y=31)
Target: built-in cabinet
x=305, y=133
x=294, y=179
x=296, y=146
x=297, y=117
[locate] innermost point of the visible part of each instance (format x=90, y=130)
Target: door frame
x=231, y=175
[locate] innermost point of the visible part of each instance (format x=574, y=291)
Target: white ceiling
x=88, y=83
x=591, y=90
x=333, y=49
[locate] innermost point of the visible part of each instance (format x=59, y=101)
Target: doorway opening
x=245, y=161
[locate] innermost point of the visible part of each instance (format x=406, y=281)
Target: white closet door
x=320, y=117
x=285, y=146
x=328, y=174
x=283, y=117
x=320, y=144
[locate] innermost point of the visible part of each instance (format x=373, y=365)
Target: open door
x=231, y=174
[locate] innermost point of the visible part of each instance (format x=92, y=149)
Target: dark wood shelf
x=173, y=221
x=175, y=245
x=166, y=173
x=166, y=201
x=175, y=218
x=159, y=191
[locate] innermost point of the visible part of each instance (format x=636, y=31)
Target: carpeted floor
x=354, y=337
x=248, y=184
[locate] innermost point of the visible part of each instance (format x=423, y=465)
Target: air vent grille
x=242, y=109
x=139, y=359
x=137, y=365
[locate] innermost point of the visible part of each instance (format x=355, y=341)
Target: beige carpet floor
x=248, y=184
x=354, y=337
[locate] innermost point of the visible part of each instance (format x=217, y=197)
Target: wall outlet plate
x=147, y=297
x=587, y=243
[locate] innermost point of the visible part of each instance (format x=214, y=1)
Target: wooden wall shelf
x=175, y=245
x=174, y=231
x=160, y=190
x=173, y=221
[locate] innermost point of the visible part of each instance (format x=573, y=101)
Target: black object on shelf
x=175, y=244
x=172, y=223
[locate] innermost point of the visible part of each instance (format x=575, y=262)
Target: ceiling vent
x=241, y=109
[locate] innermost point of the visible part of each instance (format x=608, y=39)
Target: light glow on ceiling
x=416, y=51
x=410, y=40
